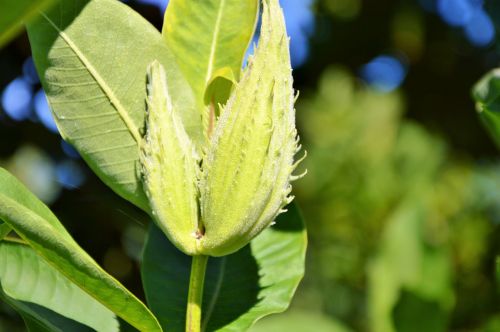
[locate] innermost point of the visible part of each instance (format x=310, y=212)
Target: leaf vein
x=112, y=148
x=215, y=37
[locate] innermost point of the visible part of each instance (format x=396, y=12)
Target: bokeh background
x=402, y=199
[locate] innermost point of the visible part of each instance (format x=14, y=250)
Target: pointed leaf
x=41, y=293
x=241, y=288
x=34, y=222
x=208, y=35
x=487, y=96
x=92, y=58
x=15, y=14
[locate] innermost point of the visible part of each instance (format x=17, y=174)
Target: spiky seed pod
x=169, y=166
x=245, y=175
x=247, y=169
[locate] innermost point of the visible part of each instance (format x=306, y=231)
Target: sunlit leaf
x=208, y=35
x=92, y=58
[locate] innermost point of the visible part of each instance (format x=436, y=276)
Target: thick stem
x=195, y=295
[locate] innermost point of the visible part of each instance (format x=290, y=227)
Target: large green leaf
x=487, y=96
x=43, y=295
x=34, y=222
x=256, y=281
x=14, y=13
x=207, y=36
x=92, y=58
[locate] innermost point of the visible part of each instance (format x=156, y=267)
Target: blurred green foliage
x=15, y=13
x=299, y=321
x=400, y=228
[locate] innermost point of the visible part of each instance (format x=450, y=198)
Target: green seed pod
x=244, y=179
x=169, y=166
x=248, y=166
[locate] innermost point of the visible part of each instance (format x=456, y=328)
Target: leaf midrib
x=215, y=37
x=100, y=81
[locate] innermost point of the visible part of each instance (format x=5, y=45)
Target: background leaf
x=410, y=276
x=15, y=14
x=256, y=281
x=487, y=95
x=92, y=58
x=299, y=321
x=34, y=222
x=215, y=36
x=43, y=296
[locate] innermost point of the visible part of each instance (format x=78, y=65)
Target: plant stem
x=195, y=295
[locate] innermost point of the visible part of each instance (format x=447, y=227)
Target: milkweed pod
x=247, y=169
x=169, y=166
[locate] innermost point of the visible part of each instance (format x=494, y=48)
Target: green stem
x=195, y=295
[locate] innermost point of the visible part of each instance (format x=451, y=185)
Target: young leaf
x=41, y=293
x=487, y=96
x=208, y=35
x=15, y=14
x=92, y=58
x=219, y=87
x=241, y=288
x=34, y=222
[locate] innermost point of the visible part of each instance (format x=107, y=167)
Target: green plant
x=167, y=122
